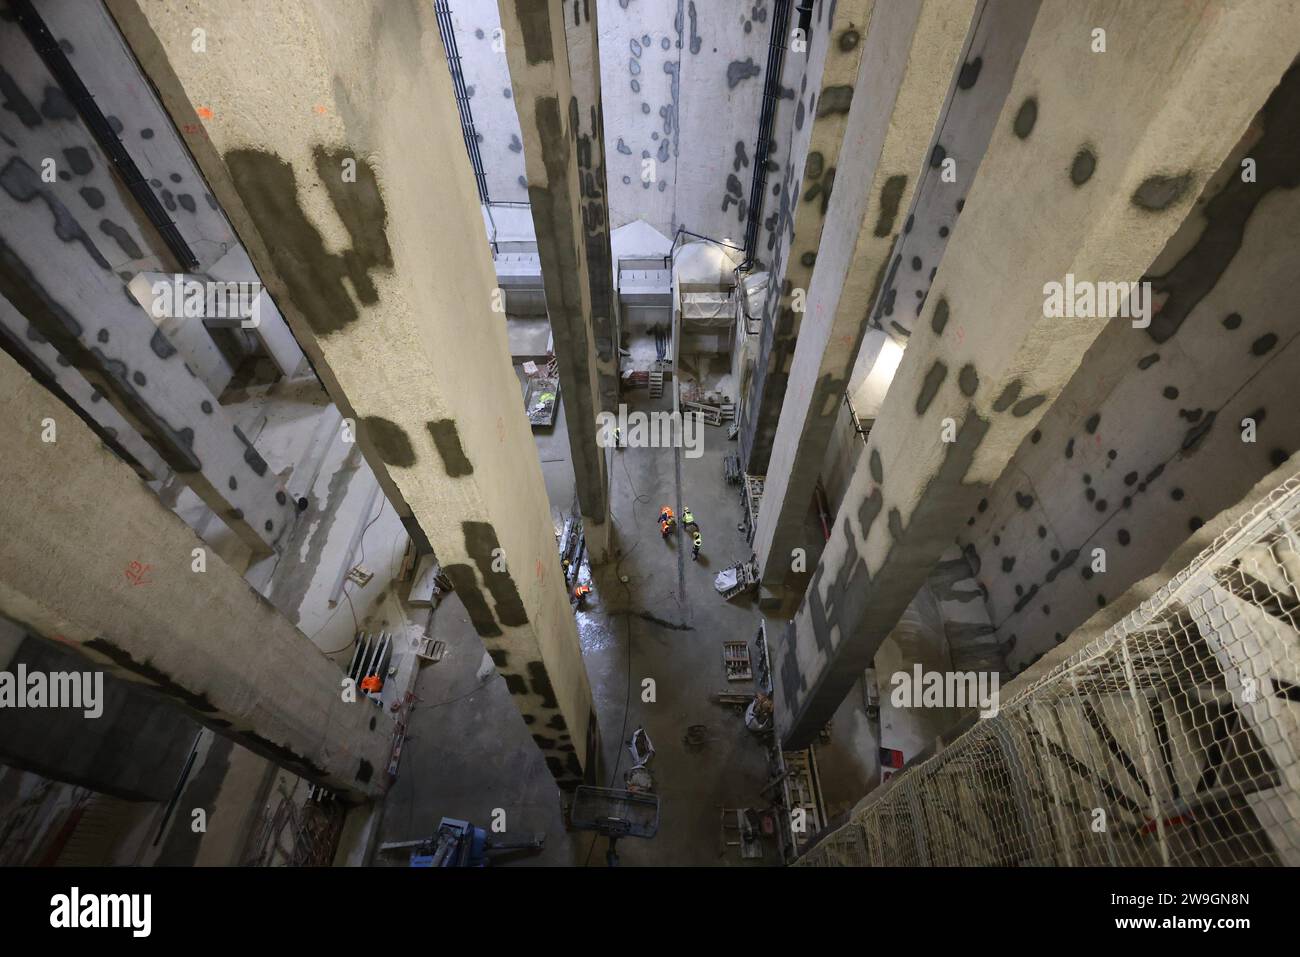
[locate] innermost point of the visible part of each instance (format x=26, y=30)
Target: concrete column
x=347, y=180
x=1065, y=188
x=812, y=154
x=583, y=38
x=910, y=54
x=577, y=283
x=92, y=559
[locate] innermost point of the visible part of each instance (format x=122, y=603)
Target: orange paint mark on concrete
x=204, y=113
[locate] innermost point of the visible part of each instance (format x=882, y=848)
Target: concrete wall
x=974, y=102
x=682, y=85
x=134, y=750
x=98, y=563
x=1145, y=443
x=481, y=45
x=1111, y=180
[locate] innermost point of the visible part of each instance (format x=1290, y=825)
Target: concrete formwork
x=346, y=177
x=910, y=52
x=96, y=562
x=568, y=222
x=983, y=366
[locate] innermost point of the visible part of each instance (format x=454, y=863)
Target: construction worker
x=372, y=684
x=688, y=520
x=696, y=542
x=666, y=521
x=580, y=595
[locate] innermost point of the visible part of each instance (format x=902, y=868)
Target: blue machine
x=460, y=844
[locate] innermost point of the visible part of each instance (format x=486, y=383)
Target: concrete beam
x=812, y=154
x=577, y=281
x=909, y=56
x=92, y=559
x=35, y=353
x=383, y=271
x=1181, y=83
x=70, y=238
x=132, y=363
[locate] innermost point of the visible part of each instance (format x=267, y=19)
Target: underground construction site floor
x=469, y=753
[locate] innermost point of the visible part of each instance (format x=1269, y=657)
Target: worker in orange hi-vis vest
x=666, y=521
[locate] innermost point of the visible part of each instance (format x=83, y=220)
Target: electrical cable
x=355, y=623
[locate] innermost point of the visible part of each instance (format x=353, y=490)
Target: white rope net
x=1170, y=740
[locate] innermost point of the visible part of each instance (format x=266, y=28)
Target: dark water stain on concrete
x=1081, y=170
x=484, y=548
x=125, y=241
x=835, y=100
x=891, y=195
x=93, y=197
x=55, y=105
x=1025, y=119
x=535, y=25
x=939, y=321
x=540, y=682
x=930, y=386
x=1159, y=192
x=1277, y=156
x=15, y=101
x=390, y=441
x=741, y=70
x=22, y=183
x=320, y=282
x=78, y=158
x=447, y=441
x=1009, y=395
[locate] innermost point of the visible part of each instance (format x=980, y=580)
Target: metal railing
x=1170, y=740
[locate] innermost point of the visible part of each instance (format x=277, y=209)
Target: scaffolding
x=1172, y=739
